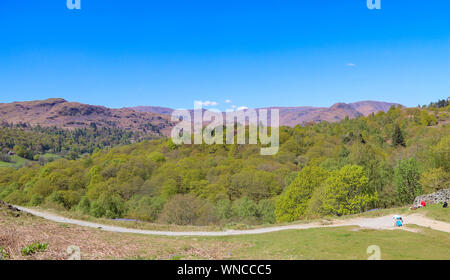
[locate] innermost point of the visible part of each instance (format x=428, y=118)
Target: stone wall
x=440, y=196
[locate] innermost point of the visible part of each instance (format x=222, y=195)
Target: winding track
x=384, y=222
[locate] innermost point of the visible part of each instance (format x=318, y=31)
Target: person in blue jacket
x=398, y=221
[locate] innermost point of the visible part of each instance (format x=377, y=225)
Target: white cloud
x=207, y=103
x=233, y=106
x=351, y=64
x=228, y=101
x=242, y=108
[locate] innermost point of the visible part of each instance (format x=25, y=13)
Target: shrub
x=245, y=208
x=17, y=197
x=36, y=200
x=71, y=198
x=145, y=208
x=441, y=153
x=6, y=191
x=223, y=209
x=34, y=248
x=157, y=157
x=109, y=206
x=56, y=197
x=85, y=205
x=185, y=209
x=207, y=215
x=97, y=210
x=266, y=210
x=435, y=179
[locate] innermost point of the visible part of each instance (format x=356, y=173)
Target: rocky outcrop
x=440, y=196
x=9, y=209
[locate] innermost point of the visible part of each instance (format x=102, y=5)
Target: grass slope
x=17, y=162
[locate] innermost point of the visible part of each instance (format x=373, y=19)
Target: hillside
x=390, y=156
x=63, y=114
x=153, y=109
x=18, y=230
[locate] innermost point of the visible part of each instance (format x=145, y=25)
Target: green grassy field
x=17, y=162
x=435, y=212
x=48, y=156
x=343, y=243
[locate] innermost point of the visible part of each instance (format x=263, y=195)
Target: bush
x=97, y=210
x=441, y=152
x=56, y=197
x=245, y=208
x=85, y=205
x=223, y=209
x=185, y=209
x=207, y=215
x=434, y=179
x=67, y=199
x=36, y=200
x=266, y=211
x=157, y=157
x=23, y=152
x=17, y=197
x=145, y=208
x=108, y=205
x=5, y=191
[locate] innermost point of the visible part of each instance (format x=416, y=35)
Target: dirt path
x=384, y=222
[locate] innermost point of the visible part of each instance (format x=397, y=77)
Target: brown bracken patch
x=18, y=230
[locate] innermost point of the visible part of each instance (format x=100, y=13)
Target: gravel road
x=384, y=222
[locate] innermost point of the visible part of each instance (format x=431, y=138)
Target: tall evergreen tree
x=397, y=137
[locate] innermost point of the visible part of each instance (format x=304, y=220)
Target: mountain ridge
x=292, y=116
x=157, y=120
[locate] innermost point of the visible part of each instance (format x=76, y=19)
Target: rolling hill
x=61, y=113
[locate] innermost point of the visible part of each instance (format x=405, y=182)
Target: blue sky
x=254, y=53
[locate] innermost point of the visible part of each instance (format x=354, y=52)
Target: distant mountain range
x=291, y=116
x=152, y=119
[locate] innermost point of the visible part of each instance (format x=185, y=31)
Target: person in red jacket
x=423, y=203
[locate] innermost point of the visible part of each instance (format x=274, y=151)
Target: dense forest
x=379, y=161
x=34, y=142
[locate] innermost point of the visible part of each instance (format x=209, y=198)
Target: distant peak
x=341, y=105
x=55, y=100
x=49, y=102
